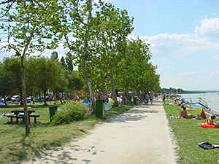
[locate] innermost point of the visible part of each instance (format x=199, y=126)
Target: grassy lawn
x=188, y=134
x=14, y=146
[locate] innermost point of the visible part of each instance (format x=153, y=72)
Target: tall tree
x=77, y=28
x=28, y=24
x=113, y=28
x=47, y=74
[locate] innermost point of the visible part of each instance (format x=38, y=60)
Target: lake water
x=212, y=99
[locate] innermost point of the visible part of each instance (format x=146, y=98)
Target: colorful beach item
x=205, y=125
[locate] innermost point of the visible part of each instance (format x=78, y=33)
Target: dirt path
x=139, y=136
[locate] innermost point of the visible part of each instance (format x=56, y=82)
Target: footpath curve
x=140, y=136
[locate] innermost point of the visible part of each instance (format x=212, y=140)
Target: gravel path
x=140, y=136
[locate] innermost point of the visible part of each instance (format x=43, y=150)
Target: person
x=151, y=97
x=146, y=98
x=86, y=101
x=210, y=120
x=182, y=101
x=184, y=113
x=216, y=124
x=164, y=98
x=202, y=114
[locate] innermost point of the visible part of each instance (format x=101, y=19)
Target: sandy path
x=139, y=136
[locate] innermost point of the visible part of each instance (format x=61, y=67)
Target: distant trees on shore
x=178, y=91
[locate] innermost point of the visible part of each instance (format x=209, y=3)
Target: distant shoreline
x=191, y=92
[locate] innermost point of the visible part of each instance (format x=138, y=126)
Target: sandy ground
x=140, y=136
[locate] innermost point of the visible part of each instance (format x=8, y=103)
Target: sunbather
x=210, y=120
x=184, y=113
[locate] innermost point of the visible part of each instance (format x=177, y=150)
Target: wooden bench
x=34, y=116
x=17, y=117
x=11, y=116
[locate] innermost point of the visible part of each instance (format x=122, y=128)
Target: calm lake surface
x=212, y=99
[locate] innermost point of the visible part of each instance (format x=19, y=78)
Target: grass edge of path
x=44, y=137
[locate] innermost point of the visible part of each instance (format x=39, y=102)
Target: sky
x=184, y=39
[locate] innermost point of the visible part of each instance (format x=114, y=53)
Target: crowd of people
x=120, y=99
x=184, y=109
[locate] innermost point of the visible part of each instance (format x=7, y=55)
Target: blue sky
x=184, y=38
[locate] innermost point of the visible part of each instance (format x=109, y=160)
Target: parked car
x=29, y=99
x=15, y=99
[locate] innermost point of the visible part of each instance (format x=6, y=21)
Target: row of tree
x=95, y=36
x=42, y=74
x=179, y=91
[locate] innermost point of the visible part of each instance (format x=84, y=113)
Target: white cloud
x=168, y=50
x=208, y=27
x=205, y=37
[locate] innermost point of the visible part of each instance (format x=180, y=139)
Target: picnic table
x=19, y=115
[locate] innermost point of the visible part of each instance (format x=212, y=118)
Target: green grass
x=188, y=134
x=15, y=147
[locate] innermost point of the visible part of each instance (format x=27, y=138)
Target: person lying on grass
x=184, y=113
x=211, y=119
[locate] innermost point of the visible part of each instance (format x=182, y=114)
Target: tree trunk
x=24, y=100
x=44, y=96
x=113, y=90
x=61, y=97
x=21, y=94
x=5, y=101
x=86, y=46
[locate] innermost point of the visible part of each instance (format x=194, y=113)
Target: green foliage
x=95, y=33
x=69, y=112
x=44, y=73
x=10, y=79
x=54, y=56
x=75, y=81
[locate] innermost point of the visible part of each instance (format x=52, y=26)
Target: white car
x=15, y=98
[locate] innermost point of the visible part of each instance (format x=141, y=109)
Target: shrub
x=69, y=112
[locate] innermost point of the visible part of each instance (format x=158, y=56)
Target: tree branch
x=7, y=1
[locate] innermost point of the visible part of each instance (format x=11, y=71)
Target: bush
x=69, y=112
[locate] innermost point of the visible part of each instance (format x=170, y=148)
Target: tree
x=113, y=27
x=10, y=78
x=28, y=24
x=135, y=71
x=4, y=87
x=54, y=56
x=47, y=74
x=76, y=26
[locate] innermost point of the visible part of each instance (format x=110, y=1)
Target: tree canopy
x=98, y=52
